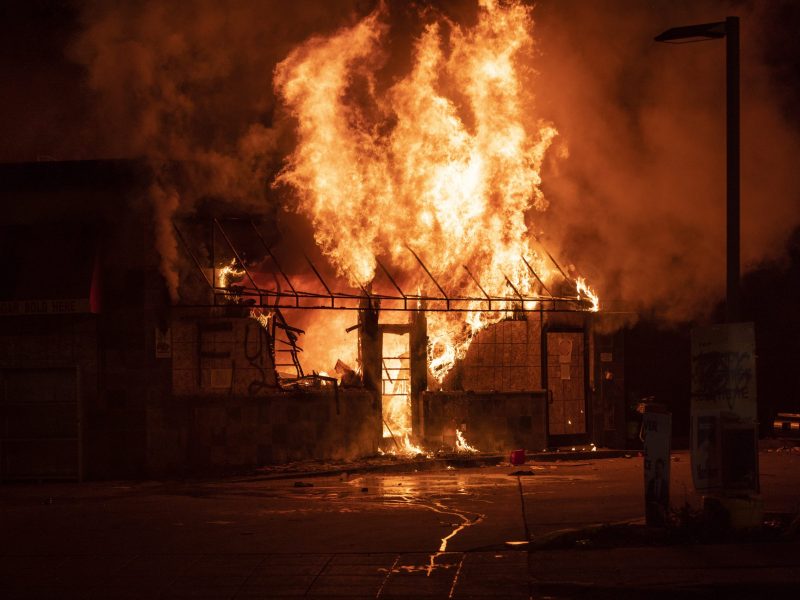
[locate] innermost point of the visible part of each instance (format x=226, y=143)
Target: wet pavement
x=452, y=533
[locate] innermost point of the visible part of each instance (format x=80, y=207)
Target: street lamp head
x=693, y=33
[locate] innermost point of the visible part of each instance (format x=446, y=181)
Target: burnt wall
x=201, y=433
x=225, y=409
x=506, y=356
x=219, y=351
x=492, y=422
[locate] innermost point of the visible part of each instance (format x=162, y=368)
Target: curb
x=441, y=463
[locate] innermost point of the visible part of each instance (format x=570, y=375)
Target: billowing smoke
x=190, y=83
x=635, y=188
x=165, y=204
x=639, y=205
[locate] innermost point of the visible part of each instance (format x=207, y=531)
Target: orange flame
x=396, y=384
x=228, y=273
x=585, y=291
x=462, y=446
x=447, y=160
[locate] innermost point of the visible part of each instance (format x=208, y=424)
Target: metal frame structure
x=294, y=298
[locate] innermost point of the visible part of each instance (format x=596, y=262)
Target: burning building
x=523, y=378
x=428, y=312
x=104, y=375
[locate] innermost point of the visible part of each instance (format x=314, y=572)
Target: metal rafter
x=338, y=300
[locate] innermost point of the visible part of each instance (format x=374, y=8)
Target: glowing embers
x=264, y=317
x=404, y=447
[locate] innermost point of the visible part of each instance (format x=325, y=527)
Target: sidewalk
x=700, y=571
x=390, y=464
x=452, y=575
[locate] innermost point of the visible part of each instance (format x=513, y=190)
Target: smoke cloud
x=639, y=205
x=190, y=83
x=636, y=187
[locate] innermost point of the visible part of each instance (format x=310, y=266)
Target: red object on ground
x=517, y=457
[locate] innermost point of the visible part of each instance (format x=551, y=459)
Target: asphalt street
x=456, y=532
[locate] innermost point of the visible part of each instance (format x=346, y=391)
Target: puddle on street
x=444, y=493
x=434, y=493
x=439, y=494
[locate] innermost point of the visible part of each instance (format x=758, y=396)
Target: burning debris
x=462, y=446
x=347, y=376
x=403, y=447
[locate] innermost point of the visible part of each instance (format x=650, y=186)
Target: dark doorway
x=566, y=387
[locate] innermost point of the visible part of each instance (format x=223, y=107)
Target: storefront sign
x=9, y=308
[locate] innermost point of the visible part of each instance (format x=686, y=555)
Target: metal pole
x=733, y=306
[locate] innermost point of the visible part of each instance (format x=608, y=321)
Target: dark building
x=102, y=376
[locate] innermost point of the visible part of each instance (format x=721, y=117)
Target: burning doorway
x=396, y=387
x=401, y=345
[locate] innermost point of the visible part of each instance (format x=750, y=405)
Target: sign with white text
x=66, y=306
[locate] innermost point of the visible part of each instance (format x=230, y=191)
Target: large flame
x=446, y=160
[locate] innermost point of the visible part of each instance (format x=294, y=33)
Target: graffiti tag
x=722, y=377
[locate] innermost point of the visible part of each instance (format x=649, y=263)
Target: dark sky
x=45, y=105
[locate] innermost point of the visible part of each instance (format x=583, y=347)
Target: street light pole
x=714, y=418
x=733, y=303
x=729, y=29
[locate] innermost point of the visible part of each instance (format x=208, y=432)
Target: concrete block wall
x=197, y=433
x=220, y=355
x=492, y=422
